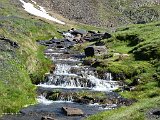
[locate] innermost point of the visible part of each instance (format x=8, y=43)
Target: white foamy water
x=108, y=107
x=62, y=69
x=60, y=86
x=94, y=104
x=65, y=60
x=41, y=99
x=53, y=53
x=102, y=85
x=62, y=78
x=61, y=101
x=41, y=12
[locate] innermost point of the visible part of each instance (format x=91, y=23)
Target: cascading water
x=62, y=69
x=43, y=100
x=69, y=74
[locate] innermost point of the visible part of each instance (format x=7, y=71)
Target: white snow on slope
x=29, y=7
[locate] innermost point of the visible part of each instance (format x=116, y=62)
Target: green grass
x=141, y=43
x=26, y=65
x=20, y=67
x=136, y=111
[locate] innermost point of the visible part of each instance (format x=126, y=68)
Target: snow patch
x=41, y=12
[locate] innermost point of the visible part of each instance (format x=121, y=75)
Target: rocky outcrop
x=4, y=41
x=105, y=13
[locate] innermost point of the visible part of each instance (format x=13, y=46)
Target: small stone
x=47, y=118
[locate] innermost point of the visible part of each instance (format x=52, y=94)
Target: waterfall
x=41, y=99
x=70, y=74
x=62, y=69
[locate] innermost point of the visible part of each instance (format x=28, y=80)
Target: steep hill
x=106, y=13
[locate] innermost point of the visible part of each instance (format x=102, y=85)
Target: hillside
x=23, y=64
x=19, y=66
x=26, y=64
x=105, y=13
x=137, y=64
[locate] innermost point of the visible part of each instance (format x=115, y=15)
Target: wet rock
x=87, y=62
x=57, y=43
x=84, y=100
x=96, y=64
x=153, y=114
x=106, y=35
x=81, y=32
x=95, y=50
x=89, y=51
x=72, y=111
x=92, y=36
x=47, y=118
x=99, y=43
x=156, y=112
x=92, y=32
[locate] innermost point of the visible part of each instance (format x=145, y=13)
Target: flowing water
x=69, y=73
x=70, y=76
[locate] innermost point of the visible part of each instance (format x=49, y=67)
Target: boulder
x=106, y=35
x=89, y=51
x=72, y=111
x=95, y=50
x=92, y=32
x=93, y=38
x=99, y=43
x=156, y=112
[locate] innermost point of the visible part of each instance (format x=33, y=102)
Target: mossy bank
x=133, y=58
x=21, y=66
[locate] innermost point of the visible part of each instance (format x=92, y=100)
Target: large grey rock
x=72, y=111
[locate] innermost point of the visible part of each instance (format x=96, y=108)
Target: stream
x=70, y=75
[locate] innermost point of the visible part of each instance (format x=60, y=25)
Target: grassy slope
x=21, y=66
x=17, y=25
x=142, y=63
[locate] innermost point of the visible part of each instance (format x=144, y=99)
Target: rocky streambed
x=71, y=91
